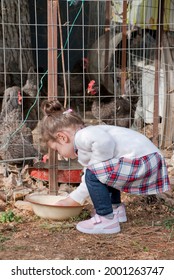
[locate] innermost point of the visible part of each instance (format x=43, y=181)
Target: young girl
x=114, y=159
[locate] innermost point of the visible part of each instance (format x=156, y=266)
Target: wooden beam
x=107, y=37
x=159, y=33
x=124, y=38
x=52, y=83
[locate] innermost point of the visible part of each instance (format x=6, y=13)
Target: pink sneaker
x=119, y=211
x=98, y=225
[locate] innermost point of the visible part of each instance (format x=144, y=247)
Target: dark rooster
x=75, y=79
x=16, y=140
x=76, y=83
x=110, y=110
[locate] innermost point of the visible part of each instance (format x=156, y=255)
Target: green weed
x=169, y=223
x=8, y=217
x=85, y=214
x=2, y=248
x=3, y=238
x=19, y=247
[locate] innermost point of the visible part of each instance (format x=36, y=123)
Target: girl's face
x=64, y=145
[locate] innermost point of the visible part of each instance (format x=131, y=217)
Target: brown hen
x=109, y=109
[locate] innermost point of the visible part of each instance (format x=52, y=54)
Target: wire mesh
x=117, y=47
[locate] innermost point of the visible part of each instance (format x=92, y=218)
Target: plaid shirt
x=144, y=175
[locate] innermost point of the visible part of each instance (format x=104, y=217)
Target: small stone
x=3, y=196
x=2, y=205
x=19, y=194
x=23, y=205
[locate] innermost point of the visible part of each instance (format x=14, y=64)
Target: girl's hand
x=67, y=202
x=46, y=158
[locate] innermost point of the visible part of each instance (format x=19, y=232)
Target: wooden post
x=52, y=83
x=157, y=71
x=107, y=30
x=124, y=29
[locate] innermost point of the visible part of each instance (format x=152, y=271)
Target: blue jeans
x=101, y=195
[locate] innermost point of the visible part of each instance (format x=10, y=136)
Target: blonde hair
x=56, y=119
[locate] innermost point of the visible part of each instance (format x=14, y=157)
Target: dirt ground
x=148, y=234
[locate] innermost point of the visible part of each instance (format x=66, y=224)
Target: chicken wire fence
x=111, y=61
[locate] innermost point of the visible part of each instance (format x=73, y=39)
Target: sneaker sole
x=98, y=230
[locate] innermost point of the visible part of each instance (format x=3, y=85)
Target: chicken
x=29, y=98
x=11, y=101
x=16, y=143
x=110, y=110
x=32, y=100
x=75, y=79
x=16, y=139
x=130, y=91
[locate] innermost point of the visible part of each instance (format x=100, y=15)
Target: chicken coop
x=111, y=61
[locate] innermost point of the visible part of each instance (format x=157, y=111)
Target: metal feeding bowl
x=67, y=171
x=44, y=207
